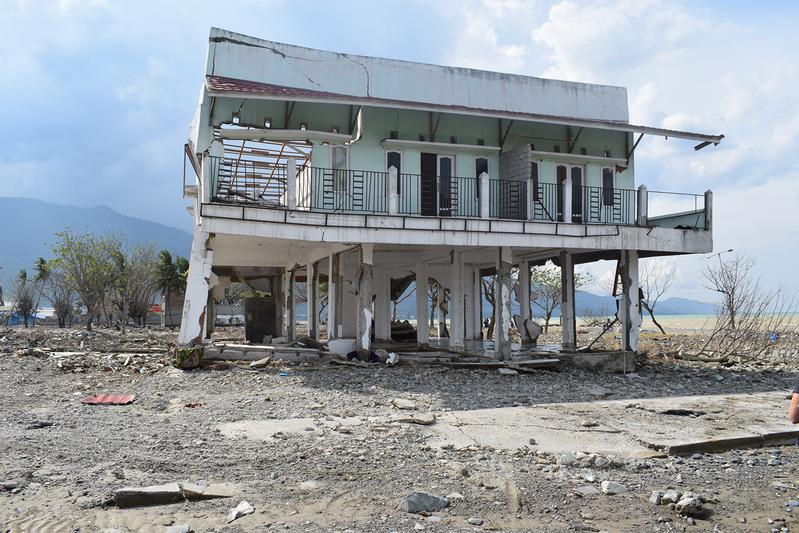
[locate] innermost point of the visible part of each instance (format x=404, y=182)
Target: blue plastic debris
x=283, y=373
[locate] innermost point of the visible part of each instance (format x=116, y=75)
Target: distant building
x=321, y=166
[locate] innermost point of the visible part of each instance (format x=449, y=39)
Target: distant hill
x=28, y=228
x=598, y=304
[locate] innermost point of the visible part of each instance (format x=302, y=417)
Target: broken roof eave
x=328, y=98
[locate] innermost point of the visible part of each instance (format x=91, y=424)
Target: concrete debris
x=670, y=496
x=507, y=371
x=423, y=419
x=402, y=403
x=656, y=497
x=167, y=493
x=260, y=363
x=421, y=502
x=611, y=487
x=242, y=509
x=690, y=506
x=586, y=490
x=475, y=521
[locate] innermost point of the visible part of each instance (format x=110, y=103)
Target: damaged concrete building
x=360, y=172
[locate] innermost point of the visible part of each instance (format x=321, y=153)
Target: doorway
x=436, y=187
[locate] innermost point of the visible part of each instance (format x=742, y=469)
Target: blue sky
x=98, y=95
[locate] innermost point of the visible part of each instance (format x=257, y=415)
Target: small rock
x=182, y=528
x=418, y=527
x=689, y=506
x=586, y=490
x=454, y=496
x=242, y=509
x=611, y=487
x=420, y=502
x=475, y=521
x=567, y=459
x=656, y=497
x=670, y=496
x=309, y=486
x=507, y=371
x=589, y=423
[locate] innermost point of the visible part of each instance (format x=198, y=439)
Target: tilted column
x=630, y=305
x=456, y=304
x=422, y=333
x=567, y=309
x=524, y=289
x=364, y=307
x=502, y=304
x=192, y=324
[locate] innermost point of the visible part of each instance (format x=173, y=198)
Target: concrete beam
x=502, y=305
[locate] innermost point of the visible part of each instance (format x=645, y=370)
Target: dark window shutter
x=394, y=159
x=534, y=178
x=607, y=187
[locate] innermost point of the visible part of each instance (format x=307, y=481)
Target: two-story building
x=358, y=171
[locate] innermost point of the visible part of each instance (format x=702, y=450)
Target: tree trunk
x=547, y=318
x=88, y=322
x=652, y=316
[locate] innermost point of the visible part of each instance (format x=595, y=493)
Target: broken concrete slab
x=167, y=493
x=273, y=429
x=632, y=428
x=423, y=419
x=242, y=509
x=260, y=363
x=257, y=352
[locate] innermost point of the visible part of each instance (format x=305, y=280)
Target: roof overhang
x=220, y=86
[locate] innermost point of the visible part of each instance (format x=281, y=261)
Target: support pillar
x=524, y=290
x=363, y=337
x=289, y=292
x=469, y=330
x=630, y=305
x=485, y=195
x=192, y=324
x=333, y=287
x=210, y=316
x=477, y=289
x=312, y=289
x=382, y=290
x=456, y=303
x=291, y=184
x=502, y=305
x=567, y=309
x=422, y=333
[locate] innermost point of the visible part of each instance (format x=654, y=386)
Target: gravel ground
x=60, y=459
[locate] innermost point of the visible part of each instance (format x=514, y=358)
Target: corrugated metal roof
x=231, y=87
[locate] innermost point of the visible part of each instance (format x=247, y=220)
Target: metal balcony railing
x=363, y=191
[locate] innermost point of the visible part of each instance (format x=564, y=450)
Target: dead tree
x=655, y=278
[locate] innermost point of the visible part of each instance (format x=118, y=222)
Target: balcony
x=325, y=190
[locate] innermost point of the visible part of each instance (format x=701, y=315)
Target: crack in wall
x=272, y=49
x=365, y=70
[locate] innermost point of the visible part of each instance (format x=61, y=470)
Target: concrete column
x=422, y=334
x=198, y=283
x=456, y=303
x=364, y=308
x=567, y=309
x=643, y=206
x=485, y=195
x=312, y=289
x=278, y=288
x=524, y=290
x=502, y=304
x=469, y=330
x=393, y=195
x=210, y=316
x=332, y=295
x=382, y=290
x=290, y=309
x=291, y=184
x=530, y=199
x=709, y=210
x=477, y=310
x=630, y=305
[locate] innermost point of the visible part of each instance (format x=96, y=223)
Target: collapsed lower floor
x=351, y=291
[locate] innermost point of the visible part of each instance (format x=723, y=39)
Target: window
x=480, y=166
x=607, y=187
x=534, y=179
x=339, y=164
x=394, y=159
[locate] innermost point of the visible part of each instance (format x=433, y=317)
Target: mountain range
x=29, y=227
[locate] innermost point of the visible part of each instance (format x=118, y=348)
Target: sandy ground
x=330, y=458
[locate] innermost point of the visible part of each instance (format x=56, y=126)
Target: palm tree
x=171, y=275
x=42, y=270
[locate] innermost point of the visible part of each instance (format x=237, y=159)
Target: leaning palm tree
x=42, y=269
x=171, y=275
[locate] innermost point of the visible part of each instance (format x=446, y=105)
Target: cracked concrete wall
x=239, y=56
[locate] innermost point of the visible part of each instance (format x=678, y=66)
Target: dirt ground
x=350, y=465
